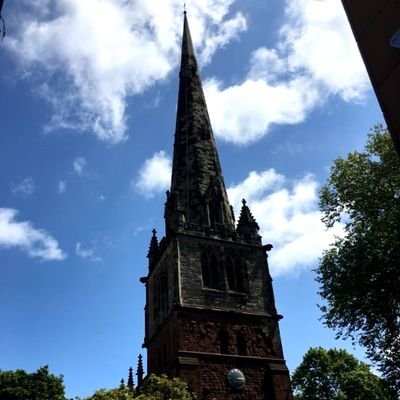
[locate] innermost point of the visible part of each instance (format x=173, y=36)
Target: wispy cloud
x=62, y=187
x=128, y=46
x=25, y=188
x=315, y=58
x=154, y=176
x=289, y=218
x=88, y=253
x=35, y=242
x=79, y=166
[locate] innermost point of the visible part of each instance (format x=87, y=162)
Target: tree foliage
x=39, y=385
x=161, y=387
x=359, y=275
x=121, y=393
x=154, y=388
x=336, y=375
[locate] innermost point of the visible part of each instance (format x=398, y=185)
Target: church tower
x=210, y=313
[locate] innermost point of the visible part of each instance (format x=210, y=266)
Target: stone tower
x=210, y=310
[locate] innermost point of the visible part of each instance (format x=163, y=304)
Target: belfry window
x=223, y=341
x=205, y=270
x=241, y=344
x=236, y=275
x=210, y=270
x=164, y=291
x=215, y=211
x=242, y=276
x=230, y=273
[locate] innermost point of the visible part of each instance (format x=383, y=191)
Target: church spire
x=198, y=195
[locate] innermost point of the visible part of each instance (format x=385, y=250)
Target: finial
x=130, y=378
x=140, y=372
x=184, y=8
x=244, y=202
x=154, y=232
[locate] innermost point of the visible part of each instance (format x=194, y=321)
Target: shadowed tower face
x=210, y=310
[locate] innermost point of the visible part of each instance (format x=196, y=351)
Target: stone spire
x=198, y=195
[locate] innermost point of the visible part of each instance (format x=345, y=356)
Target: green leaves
x=161, y=387
x=39, y=385
x=154, y=388
x=359, y=275
x=336, y=375
x=122, y=393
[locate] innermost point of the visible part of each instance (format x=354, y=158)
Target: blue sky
x=88, y=100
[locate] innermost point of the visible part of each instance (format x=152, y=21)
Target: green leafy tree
x=154, y=388
x=162, y=388
x=121, y=393
x=336, y=375
x=39, y=385
x=359, y=275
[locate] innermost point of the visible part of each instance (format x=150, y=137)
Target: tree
x=359, y=274
x=154, y=388
x=121, y=393
x=336, y=375
x=162, y=388
x=39, y=385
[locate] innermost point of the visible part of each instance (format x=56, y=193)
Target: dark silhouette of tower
x=210, y=310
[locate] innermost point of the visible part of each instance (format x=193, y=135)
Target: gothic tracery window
x=210, y=270
x=236, y=274
x=241, y=275
x=230, y=273
x=215, y=210
x=241, y=344
x=223, y=341
x=164, y=291
x=205, y=270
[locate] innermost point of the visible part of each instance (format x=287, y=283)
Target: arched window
x=215, y=211
x=241, y=344
x=164, y=291
x=242, y=280
x=230, y=273
x=210, y=270
x=236, y=275
x=155, y=287
x=214, y=267
x=223, y=342
x=205, y=270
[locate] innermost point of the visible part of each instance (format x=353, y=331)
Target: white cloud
x=88, y=56
x=316, y=57
x=318, y=40
x=25, y=188
x=23, y=235
x=154, y=176
x=79, y=166
x=88, y=254
x=288, y=215
x=255, y=185
x=62, y=187
x=243, y=113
